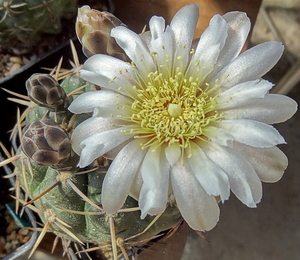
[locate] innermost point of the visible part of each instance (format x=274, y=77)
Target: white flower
x=184, y=124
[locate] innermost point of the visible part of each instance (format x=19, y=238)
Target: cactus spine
x=26, y=20
x=68, y=199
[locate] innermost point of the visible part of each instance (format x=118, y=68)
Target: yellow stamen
x=171, y=106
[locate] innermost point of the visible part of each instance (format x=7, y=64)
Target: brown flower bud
x=93, y=31
x=46, y=143
x=45, y=91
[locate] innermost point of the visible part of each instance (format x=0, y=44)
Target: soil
x=269, y=232
x=14, y=57
x=11, y=236
x=11, y=59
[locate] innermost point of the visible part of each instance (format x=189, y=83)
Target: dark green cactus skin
x=88, y=228
x=26, y=20
x=72, y=82
x=92, y=229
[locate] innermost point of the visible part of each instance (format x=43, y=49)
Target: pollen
x=174, y=110
x=171, y=107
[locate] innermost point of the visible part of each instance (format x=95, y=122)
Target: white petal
x=108, y=102
x=238, y=29
x=272, y=109
x=243, y=93
x=146, y=38
x=218, y=135
x=134, y=47
x=136, y=186
x=98, y=144
x=111, y=154
x=183, y=25
x=120, y=175
x=252, y=132
x=269, y=163
x=215, y=33
x=200, y=68
x=163, y=46
x=153, y=201
x=173, y=152
x=210, y=44
x=90, y=127
x=211, y=177
x=157, y=26
x=250, y=65
x=243, y=180
x=151, y=167
x=109, y=72
x=155, y=173
x=199, y=210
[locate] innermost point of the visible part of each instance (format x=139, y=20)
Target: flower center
x=174, y=110
x=171, y=109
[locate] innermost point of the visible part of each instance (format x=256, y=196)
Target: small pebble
x=15, y=242
x=12, y=226
x=25, y=60
x=15, y=59
x=8, y=246
x=9, y=64
x=33, y=57
x=2, y=243
x=14, y=68
x=25, y=239
x=12, y=236
x=23, y=231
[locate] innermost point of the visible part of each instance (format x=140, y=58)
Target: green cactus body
x=89, y=228
x=70, y=214
x=26, y=20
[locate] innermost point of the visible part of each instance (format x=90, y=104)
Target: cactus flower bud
x=47, y=144
x=93, y=31
x=45, y=91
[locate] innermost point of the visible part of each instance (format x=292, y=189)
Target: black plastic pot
x=8, y=114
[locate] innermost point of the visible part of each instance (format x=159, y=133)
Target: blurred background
x=272, y=230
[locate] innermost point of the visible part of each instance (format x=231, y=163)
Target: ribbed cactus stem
x=68, y=199
x=26, y=20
